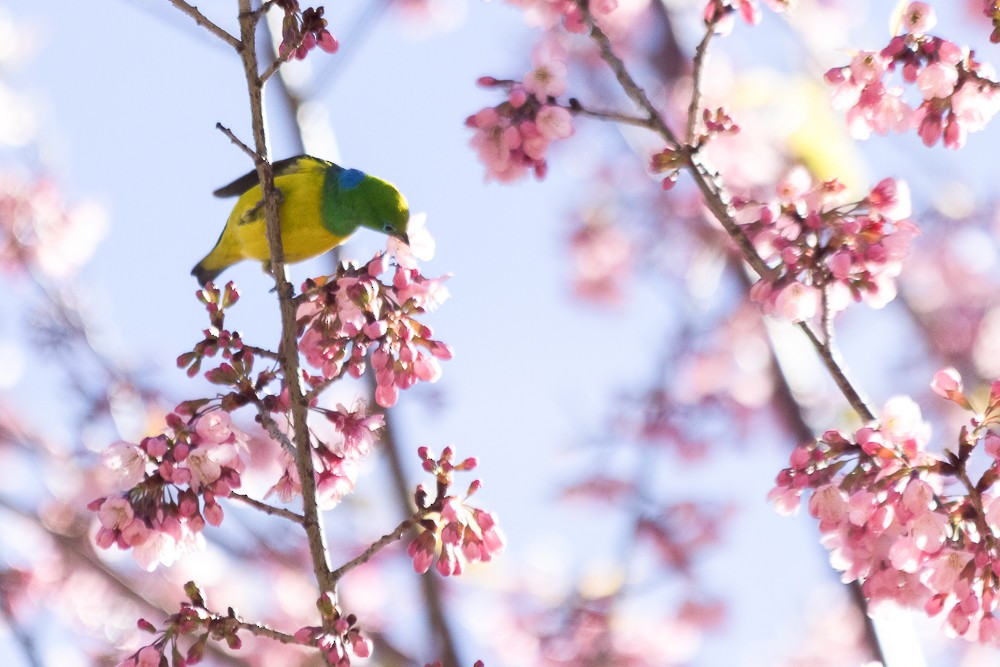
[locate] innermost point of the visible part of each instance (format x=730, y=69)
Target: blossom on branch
x=457, y=533
x=169, y=487
x=959, y=94
x=818, y=243
x=303, y=30
x=916, y=529
x=512, y=138
x=352, y=313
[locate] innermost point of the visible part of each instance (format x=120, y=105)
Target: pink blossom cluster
x=353, y=313
x=216, y=337
x=169, y=487
x=339, y=646
x=336, y=464
x=880, y=500
x=548, y=13
x=455, y=533
x=192, y=619
x=818, y=244
x=957, y=93
x=304, y=30
x=513, y=138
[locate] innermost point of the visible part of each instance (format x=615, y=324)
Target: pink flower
x=943, y=572
x=947, y=383
x=548, y=79
x=891, y=199
x=937, y=80
x=902, y=423
x=974, y=104
x=918, y=18
x=287, y=486
x=422, y=550
x=358, y=429
x=126, y=463
x=794, y=185
x=554, y=122
x=929, y=125
x=929, y=531
x=422, y=245
x=828, y=504
x=148, y=656
x=206, y=463
x=214, y=427
x=905, y=556
x=797, y=302
x=115, y=513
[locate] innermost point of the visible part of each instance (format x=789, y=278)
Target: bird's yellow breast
x=302, y=232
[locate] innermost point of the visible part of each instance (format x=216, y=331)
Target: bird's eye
x=387, y=227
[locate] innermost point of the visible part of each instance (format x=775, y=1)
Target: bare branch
x=380, y=544
x=236, y=140
x=265, y=508
x=700, y=54
x=204, y=22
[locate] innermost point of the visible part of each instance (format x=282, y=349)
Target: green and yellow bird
x=322, y=204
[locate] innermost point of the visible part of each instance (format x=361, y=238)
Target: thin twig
x=272, y=428
x=830, y=356
x=262, y=352
x=206, y=23
x=261, y=630
x=700, y=54
x=236, y=140
x=576, y=107
x=265, y=508
x=279, y=61
x=380, y=544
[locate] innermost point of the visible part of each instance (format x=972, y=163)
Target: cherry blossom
x=880, y=498
x=354, y=314
x=816, y=242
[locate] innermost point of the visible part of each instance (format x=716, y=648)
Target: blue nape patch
x=349, y=178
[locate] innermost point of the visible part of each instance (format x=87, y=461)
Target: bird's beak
x=402, y=237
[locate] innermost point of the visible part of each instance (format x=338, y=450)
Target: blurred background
x=620, y=391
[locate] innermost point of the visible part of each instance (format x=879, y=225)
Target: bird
x=321, y=205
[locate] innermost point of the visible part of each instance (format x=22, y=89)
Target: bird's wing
x=289, y=165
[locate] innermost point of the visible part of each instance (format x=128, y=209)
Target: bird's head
x=392, y=212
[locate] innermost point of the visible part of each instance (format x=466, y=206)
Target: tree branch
x=312, y=518
x=265, y=508
x=700, y=55
x=206, y=23
x=381, y=543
